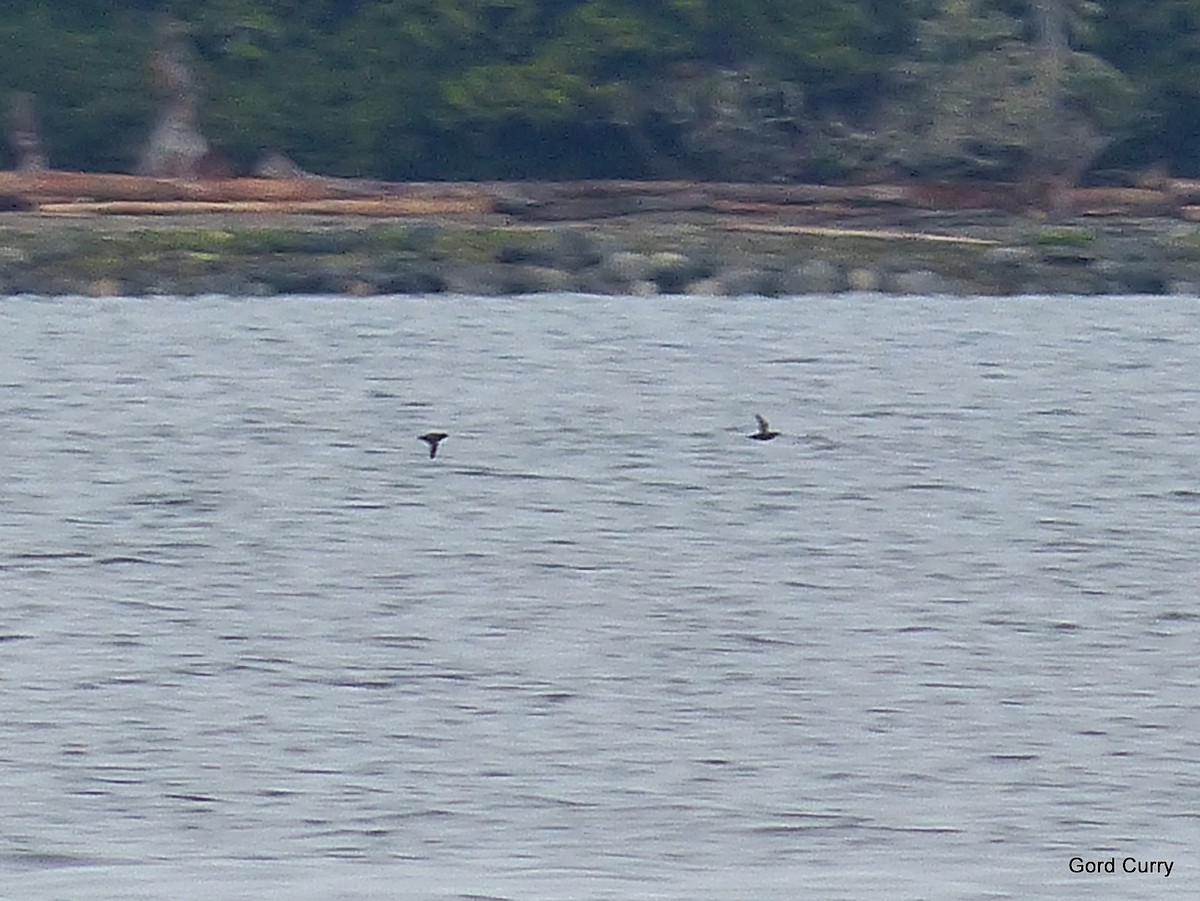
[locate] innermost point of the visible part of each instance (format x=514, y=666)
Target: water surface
x=933, y=641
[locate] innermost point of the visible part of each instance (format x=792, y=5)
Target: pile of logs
x=78, y=193
x=85, y=193
x=594, y=200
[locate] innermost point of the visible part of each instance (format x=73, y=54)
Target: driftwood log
x=383, y=207
x=38, y=188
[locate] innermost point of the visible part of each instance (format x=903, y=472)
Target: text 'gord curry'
x=1126, y=865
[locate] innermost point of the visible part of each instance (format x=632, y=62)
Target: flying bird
x=433, y=439
x=764, y=432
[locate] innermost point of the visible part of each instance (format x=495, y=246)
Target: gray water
x=934, y=641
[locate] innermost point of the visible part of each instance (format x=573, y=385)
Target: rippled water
x=935, y=640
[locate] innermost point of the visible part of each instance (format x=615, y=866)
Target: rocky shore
x=636, y=255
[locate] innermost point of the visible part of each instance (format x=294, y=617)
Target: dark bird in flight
x=433, y=439
x=764, y=432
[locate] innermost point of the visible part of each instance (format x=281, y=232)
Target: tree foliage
x=752, y=89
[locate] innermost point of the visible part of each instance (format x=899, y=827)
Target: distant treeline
x=783, y=90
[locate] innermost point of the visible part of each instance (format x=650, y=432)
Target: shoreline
x=490, y=254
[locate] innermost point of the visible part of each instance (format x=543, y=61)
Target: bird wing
x=762, y=423
x=433, y=439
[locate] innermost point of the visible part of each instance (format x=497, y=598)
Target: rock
x=628, y=266
x=278, y=165
x=472, y=278
x=598, y=280
x=671, y=271
x=535, y=280
x=746, y=281
x=104, y=287
x=495, y=279
x=222, y=283
x=666, y=259
x=860, y=279
x=13, y=256
x=920, y=281
x=409, y=278
x=706, y=287
x=813, y=277
x=573, y=250
x=1141, y=279
x=1007, y=256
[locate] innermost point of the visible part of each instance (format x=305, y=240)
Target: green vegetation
x=1064, y=237
x=720, y=89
